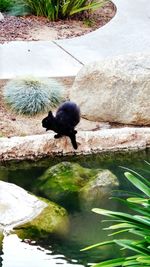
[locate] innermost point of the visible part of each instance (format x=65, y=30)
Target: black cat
x=67, y=117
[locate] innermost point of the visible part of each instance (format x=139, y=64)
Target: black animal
x=67, y=117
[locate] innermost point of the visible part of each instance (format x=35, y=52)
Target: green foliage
x=5, y=5
x=138, y=224
x=31, y=96
x=56, y=9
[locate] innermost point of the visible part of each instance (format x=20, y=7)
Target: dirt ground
x=39, y=28
x=12, y=124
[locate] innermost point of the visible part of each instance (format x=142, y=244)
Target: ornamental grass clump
x=56, y=9
x=136, y=222
x=31, y=96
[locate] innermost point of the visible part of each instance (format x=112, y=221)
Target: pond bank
x=89, y=142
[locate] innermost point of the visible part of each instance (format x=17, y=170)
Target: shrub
x=5, y=5
x=138, y=224
x=31, y=96
x=56, y=9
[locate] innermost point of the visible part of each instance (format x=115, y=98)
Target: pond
x=86, y=227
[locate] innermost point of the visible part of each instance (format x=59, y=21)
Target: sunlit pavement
x=127, y=33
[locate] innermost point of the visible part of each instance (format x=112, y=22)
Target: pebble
x=1, y=17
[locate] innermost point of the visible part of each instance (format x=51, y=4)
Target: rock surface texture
x=115, y=90
x=17, y=206
x=63, y=179
x=98, y=188
x=68, y=181
x=90, y=142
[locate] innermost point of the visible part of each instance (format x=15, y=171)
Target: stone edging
x=90, y=142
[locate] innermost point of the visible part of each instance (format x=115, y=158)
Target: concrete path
x=127, y=32
x=40, y=58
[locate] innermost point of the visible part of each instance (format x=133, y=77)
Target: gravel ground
x=39, y=28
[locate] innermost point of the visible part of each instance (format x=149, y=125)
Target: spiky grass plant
x=31, y=95
x=138, y=224
x=56, y=9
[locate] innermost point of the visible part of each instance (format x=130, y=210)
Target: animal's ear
x=50, y=114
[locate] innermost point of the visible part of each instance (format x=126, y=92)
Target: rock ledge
x=90, y=142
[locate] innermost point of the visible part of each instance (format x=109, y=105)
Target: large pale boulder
x=19, y=209
x=17, y=206
x=115, y=90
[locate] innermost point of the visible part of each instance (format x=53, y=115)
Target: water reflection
x=20, y=254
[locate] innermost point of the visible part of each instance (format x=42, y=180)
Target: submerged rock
x=115, y=90
x=19, y=209
x=98, y=188
x=63, y=181
x=69, y=183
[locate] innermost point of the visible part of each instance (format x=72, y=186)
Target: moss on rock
x=1, y=239
x=74, y=186
x=63, y=180
x=53, y=219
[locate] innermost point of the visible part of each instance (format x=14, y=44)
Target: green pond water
x=86, y=227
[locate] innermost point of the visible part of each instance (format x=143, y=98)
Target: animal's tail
x=73, y=141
